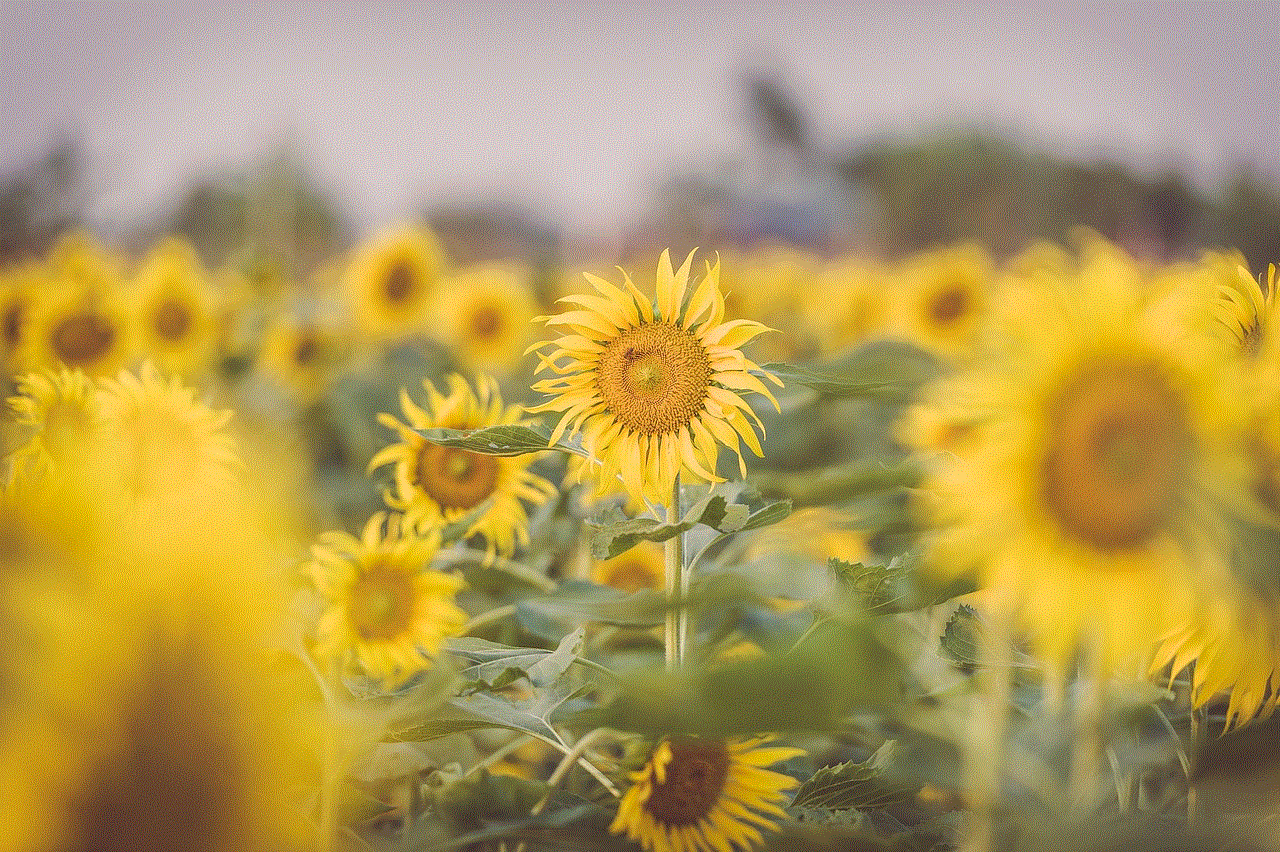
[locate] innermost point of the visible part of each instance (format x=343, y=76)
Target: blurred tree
x=39, y=200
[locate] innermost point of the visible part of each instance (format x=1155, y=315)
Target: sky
x=575, y=108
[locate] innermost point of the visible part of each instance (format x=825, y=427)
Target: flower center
x=381, y=604
x=172, y=321
x=82, y=339
x=1119, y=456
x=306, y=350
x=11, y=323
x=456, y=479
x=695, y=778
x=654, y=377
x=399, y=283
x=949, y=305
x=487, y=323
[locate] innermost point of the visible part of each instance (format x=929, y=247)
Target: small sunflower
x=391, y=279
x=19, y=288
x=79, y=326
x=488, y=311
x=61, y=409
x=437, y=485
x=303, y=355
x=846, y=305
x=699, y=794
x=1092, y=480
x=943, y=298
x=386, y=610
x=173, y=309
x=654, y=389
x=641, y=567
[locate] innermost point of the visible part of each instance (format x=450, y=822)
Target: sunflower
x=846, y=304
x=699, y=794
x=654, y=389
x=386, y=610
x=79, y=325
x=19, y=288
x=639, y=568
x=391, y=279
x=61, y=410
x=1089, y=491
x=159, y=446
x=1246, y=313
x=488, y=311
x=437, y=485
x=943, y=298
x=173, y=309
x=303, y=355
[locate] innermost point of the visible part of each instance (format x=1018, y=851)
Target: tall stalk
x=676, y=585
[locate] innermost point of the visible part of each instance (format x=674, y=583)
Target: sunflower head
x=391, y=279
x=641, y=567
x=944, y=297
x=488, y=310
x=79, y=326
x=173, y=311
x=705, y=793
x=386, y=610
x=436, y=485
x=62, y=411
x=303, y=355
x=654, y=388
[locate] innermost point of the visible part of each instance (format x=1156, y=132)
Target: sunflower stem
x=673, y=569
x=1085, y=744
x=986, y=740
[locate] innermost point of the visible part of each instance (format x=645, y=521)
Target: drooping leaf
x=851, y=786
x=883, y=369
x=876, y=589
x=496, y=665
x=962, y=640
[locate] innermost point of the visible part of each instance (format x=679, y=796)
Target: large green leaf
x=856, y=786
x=504, y=440
x=884, y=369
x=614, y=533
x=495, y=666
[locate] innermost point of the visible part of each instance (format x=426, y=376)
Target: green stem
x=986, y=739
x=673, y=569
x=1086, y=743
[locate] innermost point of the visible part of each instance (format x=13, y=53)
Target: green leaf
x=497, y=665
x=614, y=533
x=851, y=786
x=877, y=589
x=503, y=440
x=961, y=642
x=457, y=530
x=887, y=370
x=767, y=515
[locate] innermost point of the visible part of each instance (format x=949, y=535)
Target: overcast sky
x=575, y=108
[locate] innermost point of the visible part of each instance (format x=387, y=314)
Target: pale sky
x=574, y=109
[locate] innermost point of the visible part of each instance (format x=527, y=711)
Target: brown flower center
x=487, y=323
x=949, y=305
x=381, y=603
x=172, y=321
x=82, y=338
x=306, y=350
x=1118, y=461
x=399, y=283
x=654, y=377
x=695, y=777
x=11, y=323
x=456, y=479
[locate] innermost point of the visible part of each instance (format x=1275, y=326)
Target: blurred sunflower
x=79, y=326
x=173, y=309
x=488, y=312
x=698, y=794
x=654, y=389
x=385, y=609
x=846, y=304
x=391, y=279
x=61, y=410
x=641, y=567
x=303, y=355
x=19, y=288
x=159, y=447
x=942, y=298
x=1090, y=490
x=436, y=485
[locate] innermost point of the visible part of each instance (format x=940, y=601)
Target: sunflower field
x=713, y=551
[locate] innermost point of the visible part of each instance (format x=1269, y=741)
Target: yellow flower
x=1245, y=313
x=654, y=389
x=173, y=309
x=391, y=279
x=1088, y=491
x=845, y=305
x=705, y=795
x=435, y=485
x=943, y=298
x=84, y=325
x=62, y=411
x=159, y=447
x=488, y=311
x=19, y=288
x=641, y=567
x=386, y=610
x=303, y=355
